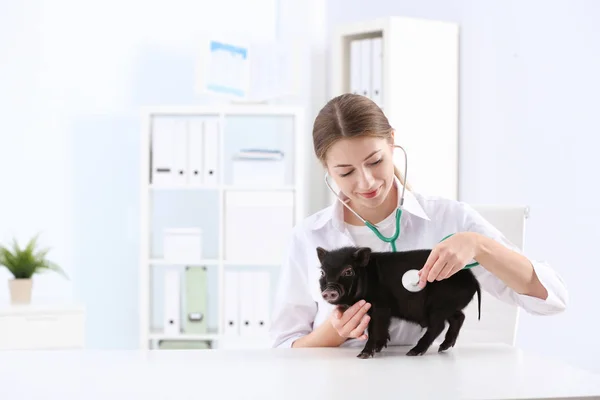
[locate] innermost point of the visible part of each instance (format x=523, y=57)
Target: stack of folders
x=247, y=304
x=191, y=316
x=185, y=151
x=366, y=68
x=259, y=167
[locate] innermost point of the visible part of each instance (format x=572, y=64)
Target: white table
x=475, y=372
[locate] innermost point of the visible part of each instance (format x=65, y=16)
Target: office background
x=73, y=76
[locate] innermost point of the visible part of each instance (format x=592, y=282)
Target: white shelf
x=223, y=187
x=209, y=262
x=158, y=335
x=242, y=263
x=239, y=127
x=201, y=263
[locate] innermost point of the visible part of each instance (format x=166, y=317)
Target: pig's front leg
x=378, y=331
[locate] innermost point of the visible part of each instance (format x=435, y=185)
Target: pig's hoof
x=445, y=346
x=415, y=352
x=364, y=355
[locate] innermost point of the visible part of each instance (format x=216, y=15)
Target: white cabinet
x=409, y=67
x=30, y=327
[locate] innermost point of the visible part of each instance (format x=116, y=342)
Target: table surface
x=465, y=372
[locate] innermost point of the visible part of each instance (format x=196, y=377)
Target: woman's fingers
x=446, y=272
x=359, y=331
x=351, y=319
x=351, y=312
x=425, y=271
x=355, y=321
x=439, y=265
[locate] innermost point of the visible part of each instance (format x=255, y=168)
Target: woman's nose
x=366, y=180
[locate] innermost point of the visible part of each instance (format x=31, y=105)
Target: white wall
x=73, y=87
x=72, y=78
x=529, y=98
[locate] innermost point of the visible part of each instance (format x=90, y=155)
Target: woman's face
x=362, y=168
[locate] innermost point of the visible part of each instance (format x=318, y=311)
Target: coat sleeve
x=294, y=308
x=557, y=299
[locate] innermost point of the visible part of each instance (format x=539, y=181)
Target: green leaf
x=24, y=263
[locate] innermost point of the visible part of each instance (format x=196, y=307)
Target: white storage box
x=248, y=172
x=182, y=245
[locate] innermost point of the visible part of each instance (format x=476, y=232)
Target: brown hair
x=348, y=116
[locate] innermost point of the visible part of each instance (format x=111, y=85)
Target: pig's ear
x=362, y=256
x=321, y=252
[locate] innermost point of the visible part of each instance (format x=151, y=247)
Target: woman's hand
x=448, y=257
x=353, y=322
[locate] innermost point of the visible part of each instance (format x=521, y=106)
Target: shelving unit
x=411, y=70
x=208, y=206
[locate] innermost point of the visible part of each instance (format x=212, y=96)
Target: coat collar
x=335, y=212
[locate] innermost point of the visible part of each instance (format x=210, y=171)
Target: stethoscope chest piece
x=410, y=280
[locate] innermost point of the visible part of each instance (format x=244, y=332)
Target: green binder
x=183, y=344
x=196, y=300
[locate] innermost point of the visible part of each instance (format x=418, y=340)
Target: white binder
x=172, y=302
x=211, y=152
x=180, y=154
x=376, y=71
x=247, y=320
x=365, y=67
x=261, y=298
x=257, y=225
x=195, y=152
x=163, y=151
x=231, y=303
x=355, y=63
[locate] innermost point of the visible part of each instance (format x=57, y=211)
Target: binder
x=211, y=152
x=231, y=303
x=247, y=320
x=377, y=71
x=261, y=299
x=184, y=344
x=172, y=302
x=196, y=300
x=163, y=151
x=195, y=152
x=180, y=156
x=355, y=64
x=365, y=67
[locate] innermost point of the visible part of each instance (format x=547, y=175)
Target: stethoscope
x=410, y=279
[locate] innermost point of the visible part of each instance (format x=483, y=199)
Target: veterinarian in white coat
x=354, y=141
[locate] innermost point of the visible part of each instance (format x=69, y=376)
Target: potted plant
x=22, y=264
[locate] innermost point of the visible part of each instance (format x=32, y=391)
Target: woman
x=354, y=141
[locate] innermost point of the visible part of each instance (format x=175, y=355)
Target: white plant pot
x=20, y=291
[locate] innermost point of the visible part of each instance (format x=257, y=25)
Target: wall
x=72, y=78
x=529, y=96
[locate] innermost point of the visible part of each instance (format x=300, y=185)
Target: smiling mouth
x=370, y=195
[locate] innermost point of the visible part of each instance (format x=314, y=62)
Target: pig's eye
x=322, y=273
x=348, y=272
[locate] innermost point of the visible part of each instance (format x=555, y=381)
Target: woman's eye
x=377, y=162
x=346, y=174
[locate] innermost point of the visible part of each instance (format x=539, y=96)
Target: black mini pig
x=350, y=274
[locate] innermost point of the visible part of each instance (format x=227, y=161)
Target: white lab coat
x=299, y=307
